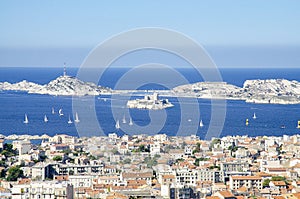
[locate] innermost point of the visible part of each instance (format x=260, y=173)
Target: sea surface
x=175, y=120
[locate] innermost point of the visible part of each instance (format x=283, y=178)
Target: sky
x=246, y=33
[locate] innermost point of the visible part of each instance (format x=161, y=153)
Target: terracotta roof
x=278, y=197
x=137, y=175
x=136, y=182
x=277, y=169
x=297, y=195
x=263, y=174
x=61, y=178
x=226, y=194
x=279, y=183
x=24, y=181
x=116, y=196
x=212, y=197
x=246, y=177
x=168, y=176
x=242, y=189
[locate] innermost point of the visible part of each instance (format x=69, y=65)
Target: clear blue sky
x=235, y=33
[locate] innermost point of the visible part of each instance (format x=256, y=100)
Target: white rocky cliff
x=274, y=91
x=63, y=85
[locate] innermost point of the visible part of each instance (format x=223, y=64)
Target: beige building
x=250, y=182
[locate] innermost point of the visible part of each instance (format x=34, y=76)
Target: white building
x=42, y=190
x=23, y=146
x=154, y=148
x=81, y=180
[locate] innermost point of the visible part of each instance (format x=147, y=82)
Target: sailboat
x=53, y=112
x=45, y=119
x=117, y=124
x=130, y=122
x=76, y=118
x=201, y=124
x=254, y=116
x=70, y=121
x=26, y=119
x=60, y=112
x=124, y=120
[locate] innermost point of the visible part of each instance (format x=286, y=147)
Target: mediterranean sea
x=14, y=105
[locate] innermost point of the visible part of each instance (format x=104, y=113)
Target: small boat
x=282, y=126
x=76, y=118
x=117, y=124
x=254, y=116
x=201, y=124
x=70, y=121
x=298, y=127
x=26, y=121
x=130, y=122
x=247, y=122
x=60, y=112
x=124, y=120
x=53, y=112
x=45, y=119
x=189, y=120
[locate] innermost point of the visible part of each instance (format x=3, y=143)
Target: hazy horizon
x=235, y=34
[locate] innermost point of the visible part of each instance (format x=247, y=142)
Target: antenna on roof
x=65, y=71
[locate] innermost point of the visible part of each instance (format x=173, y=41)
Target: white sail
x=201, y=123
x=130, y=122
x=70, y=121
x=45, y=118
x=117, y=124
x=76, y=118
x=124, y=120
x=53, y=112
x=60, y=112
x=254, y=116
x=26, y=119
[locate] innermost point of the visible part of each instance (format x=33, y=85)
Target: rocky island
x=270, y=91
x=151, y=102
x=63, y=85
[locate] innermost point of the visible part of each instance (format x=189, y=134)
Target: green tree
x=127, y=161
x=3, y=173
x=216, y=141
x=266, y=182
x=57, y=158
x=150, y=162
x=156, y=156
x=91, y=157
x=115, y=151
x=67, y=151
x=14, y=173
x=8, y=150
x=278, y=178
x=183, y=145
x=233, y=148
x=43, y=157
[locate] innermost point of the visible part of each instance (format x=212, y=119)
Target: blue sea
x=14, y=105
